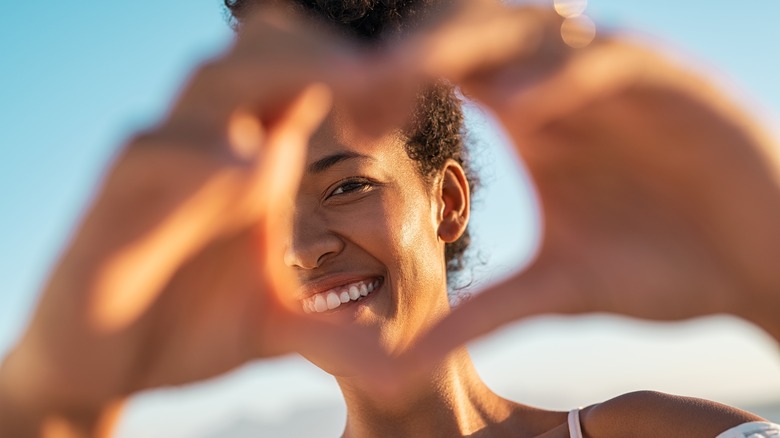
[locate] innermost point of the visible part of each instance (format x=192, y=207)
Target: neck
x=455, y=403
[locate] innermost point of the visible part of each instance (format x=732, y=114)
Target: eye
x=352, y=185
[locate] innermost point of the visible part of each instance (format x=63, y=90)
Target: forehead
x=339, y=135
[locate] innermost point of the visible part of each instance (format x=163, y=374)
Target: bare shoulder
x=652, y=414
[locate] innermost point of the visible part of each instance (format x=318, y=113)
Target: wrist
x=26, y=413
x=15, y=419
x=763, y=312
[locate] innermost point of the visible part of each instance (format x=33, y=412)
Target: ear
x=455, y=202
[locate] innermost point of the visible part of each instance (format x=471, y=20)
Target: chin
x=333, y=368
x=337, y=362
x=339, y=367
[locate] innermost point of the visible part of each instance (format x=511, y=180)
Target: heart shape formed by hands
x=659, y=198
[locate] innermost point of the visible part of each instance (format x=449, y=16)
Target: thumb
x=288, y=137
x=531, y=293
x=279, y=176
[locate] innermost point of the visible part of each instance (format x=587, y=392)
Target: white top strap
x=575, y=431
x=755, y=429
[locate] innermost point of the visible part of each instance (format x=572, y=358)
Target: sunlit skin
x=174, y=250
x=184, y=265
x=649, y=176
x=364, y=211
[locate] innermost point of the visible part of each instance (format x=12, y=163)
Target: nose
x=312, y=243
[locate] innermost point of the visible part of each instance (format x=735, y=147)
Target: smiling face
x=369, y=234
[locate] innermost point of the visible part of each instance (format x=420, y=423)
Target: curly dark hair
x=437, y=131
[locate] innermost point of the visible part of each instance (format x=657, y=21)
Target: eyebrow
x=327, y=162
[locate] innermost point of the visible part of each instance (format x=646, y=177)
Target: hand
x=659, y=194
x=176, y=273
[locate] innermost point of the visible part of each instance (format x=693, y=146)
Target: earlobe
x=455, y=202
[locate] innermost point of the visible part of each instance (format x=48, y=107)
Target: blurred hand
x=176, y=273
x=660, y=196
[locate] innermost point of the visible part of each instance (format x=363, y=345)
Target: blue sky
x=76, y=78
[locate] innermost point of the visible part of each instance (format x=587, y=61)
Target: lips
x=335, y=297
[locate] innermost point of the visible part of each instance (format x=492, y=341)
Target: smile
x=333, y=298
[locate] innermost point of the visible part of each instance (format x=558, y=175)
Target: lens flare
x=578, y=32
x=570, y=8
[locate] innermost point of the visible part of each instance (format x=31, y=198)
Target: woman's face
x=367, y=245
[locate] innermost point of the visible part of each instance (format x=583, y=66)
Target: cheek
x=415, y=230
x=394, y=227
x=412, y=239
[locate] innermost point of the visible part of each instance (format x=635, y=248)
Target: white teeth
x=319, y=304
x=335, y=297
x=354, y=293
x=333, y=301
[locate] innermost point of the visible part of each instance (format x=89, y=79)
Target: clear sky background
x=78, y=77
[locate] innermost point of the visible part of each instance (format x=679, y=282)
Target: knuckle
x=212, y=71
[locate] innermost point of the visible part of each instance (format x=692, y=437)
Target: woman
x=166, y=265
x=373, y=222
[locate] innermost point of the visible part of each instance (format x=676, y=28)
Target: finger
x=532, y=293
x=515, y=60
x=252, y=84
x=479, y=37
x=267, y=67
x=597, y=73
x=278, y=179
